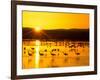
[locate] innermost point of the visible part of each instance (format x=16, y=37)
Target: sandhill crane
x=65, y=54
x=29, y=53
x=41, y=54
x=53, y=54
x=53, y=50
x=77, y=53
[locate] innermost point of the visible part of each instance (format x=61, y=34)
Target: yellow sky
x=55, y=20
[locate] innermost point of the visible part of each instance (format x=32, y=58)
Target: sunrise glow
x=37, y=29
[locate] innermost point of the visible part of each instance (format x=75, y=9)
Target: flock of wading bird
x=56, y=52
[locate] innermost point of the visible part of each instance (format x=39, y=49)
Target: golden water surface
x=52, y=53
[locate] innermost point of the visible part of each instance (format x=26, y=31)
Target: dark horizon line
x=61, y=29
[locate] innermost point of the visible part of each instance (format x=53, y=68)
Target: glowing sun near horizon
x=38, y=29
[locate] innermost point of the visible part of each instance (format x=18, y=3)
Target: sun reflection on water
x=37, y=54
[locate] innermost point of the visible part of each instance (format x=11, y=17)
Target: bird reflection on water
x=49, y=54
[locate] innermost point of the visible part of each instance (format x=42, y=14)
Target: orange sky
x=55, y=20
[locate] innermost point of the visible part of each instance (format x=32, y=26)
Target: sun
x=38, y=29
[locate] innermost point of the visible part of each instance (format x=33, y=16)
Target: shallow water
x=52, y=53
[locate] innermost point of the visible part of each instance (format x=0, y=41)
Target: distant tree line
x=59, y=34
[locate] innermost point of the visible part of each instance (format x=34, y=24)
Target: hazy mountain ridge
x=71, y=34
